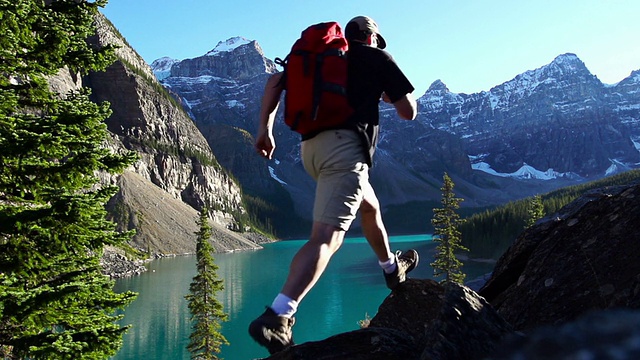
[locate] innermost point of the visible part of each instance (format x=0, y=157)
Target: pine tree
x=54, y=301
x=535, y=211
x=206, y=311
x=445, y=223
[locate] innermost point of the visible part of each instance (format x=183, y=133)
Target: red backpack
x=315, y=76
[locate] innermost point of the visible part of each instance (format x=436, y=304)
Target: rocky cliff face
x=222, y=90
x=174, y=154
x=175, y=158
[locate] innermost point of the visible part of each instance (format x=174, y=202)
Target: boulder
x=581, y=259
x=421, y=319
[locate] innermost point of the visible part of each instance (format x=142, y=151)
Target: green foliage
x=273, y=215
x=408, y=218
x=206, y=311
x=256, y=206
x=535, y=211
x=54, y=301
x=445, y=223
x=491, y=232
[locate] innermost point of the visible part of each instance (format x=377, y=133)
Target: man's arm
x=265, y=143
x=406, y=106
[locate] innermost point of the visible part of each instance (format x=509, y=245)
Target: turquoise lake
x=350, y=290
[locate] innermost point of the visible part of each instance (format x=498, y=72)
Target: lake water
x=351, y=289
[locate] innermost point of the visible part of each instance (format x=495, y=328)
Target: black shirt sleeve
x=395, y=83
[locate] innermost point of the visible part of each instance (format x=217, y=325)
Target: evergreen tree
x=206, y=311
x=54, y=301
x=535, y=211
x=445, y=223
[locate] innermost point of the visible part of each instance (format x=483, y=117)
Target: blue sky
x=471, y=45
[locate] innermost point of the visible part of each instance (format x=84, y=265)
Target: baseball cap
x=367, y=24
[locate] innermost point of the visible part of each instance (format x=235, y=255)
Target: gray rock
x=582, y=259
x=600, y=335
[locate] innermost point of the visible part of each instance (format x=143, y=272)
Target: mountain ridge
x=553, y=126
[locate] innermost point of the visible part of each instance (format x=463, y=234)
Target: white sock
x=388, y=266
x=284, y=305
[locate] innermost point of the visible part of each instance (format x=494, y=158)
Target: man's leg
x=395, y=266
x=312, y=259
x=335, y=160
x=372, y=225
x=273, y=329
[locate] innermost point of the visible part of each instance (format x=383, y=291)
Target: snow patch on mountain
x=234, y=103
x=636, y=143
x=272, y=172
x=616, y=167
x=229, y=45
x=526, y=172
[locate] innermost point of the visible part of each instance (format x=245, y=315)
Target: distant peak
x=569, y=61
x=162, y=67
x=229, y=45
x=163, y=62
x=438, y=85
x=566, y=57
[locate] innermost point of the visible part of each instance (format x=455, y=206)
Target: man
x=339, y=160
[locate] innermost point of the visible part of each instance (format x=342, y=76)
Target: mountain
x=221, y=91
x=176, y=174
x=546, y=128
x=558, y=119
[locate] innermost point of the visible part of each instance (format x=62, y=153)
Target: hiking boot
x=406, y=262
x=272, y=331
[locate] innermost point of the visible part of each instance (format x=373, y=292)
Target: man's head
x=363, y=28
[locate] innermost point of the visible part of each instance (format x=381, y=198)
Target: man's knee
x=369, y=209
x=325, y=234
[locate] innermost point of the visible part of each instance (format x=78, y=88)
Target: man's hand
x=265, y=144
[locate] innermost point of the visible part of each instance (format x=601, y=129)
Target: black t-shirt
x=371, y=72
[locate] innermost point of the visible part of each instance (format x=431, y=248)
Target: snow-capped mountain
x=546, y=128
x=222, y=90
x=162, y=67
x=559, y=117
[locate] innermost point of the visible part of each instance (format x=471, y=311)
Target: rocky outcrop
x=581, y=259
x=115, y=264
x=421, y=319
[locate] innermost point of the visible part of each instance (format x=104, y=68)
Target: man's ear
x=369, y=39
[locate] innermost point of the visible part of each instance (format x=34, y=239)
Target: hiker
x=339, y=160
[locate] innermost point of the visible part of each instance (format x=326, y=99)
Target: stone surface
x=601, y=335
x=420, y=319
x=364, y=344
x=467, y=327
x=581, y=259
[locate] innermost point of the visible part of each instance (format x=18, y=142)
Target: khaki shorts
x=336, y=160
